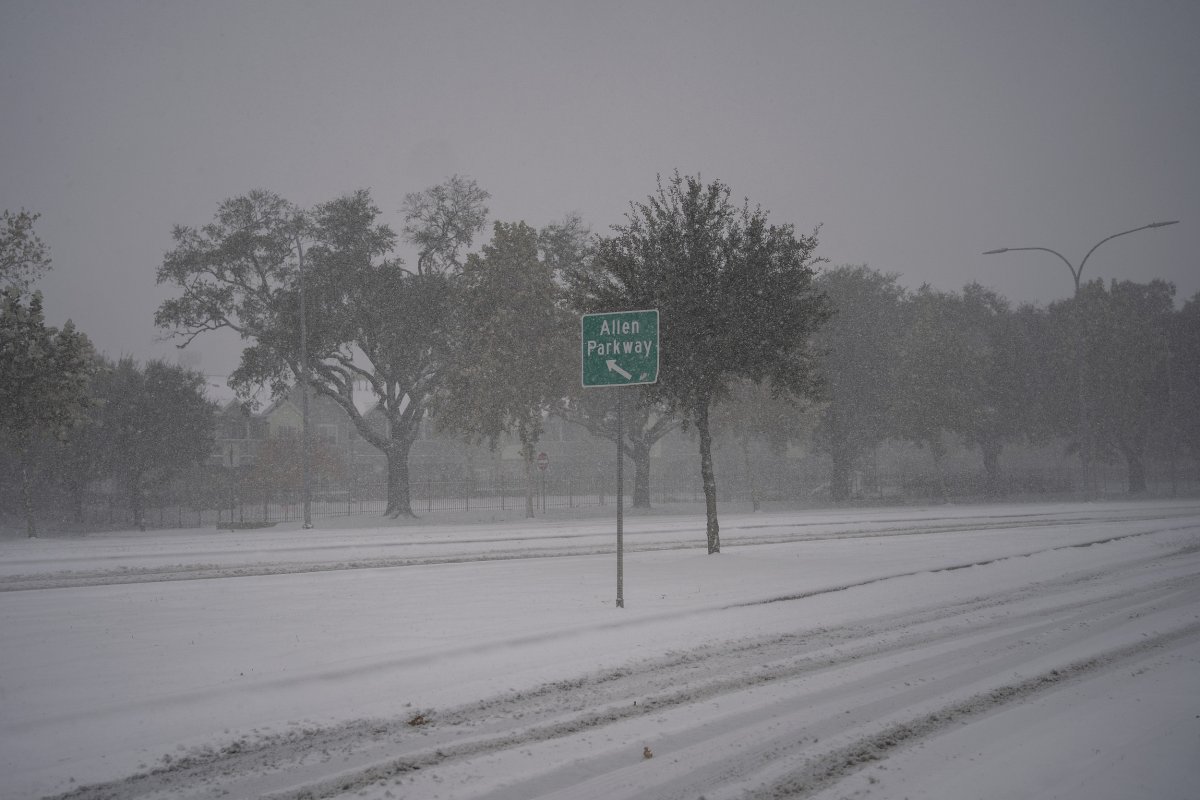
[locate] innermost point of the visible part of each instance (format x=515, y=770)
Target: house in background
x=238, y=435
x=434, y=456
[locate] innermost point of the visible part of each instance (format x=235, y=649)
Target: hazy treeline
x=760, y=342
x=1113, y=373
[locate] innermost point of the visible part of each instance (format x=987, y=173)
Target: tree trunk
x=843, y=466
x=641, y=475
x=399, y=502
x=27, y=496
x=527, y=457
x=77, y=489
x=1136, y=469
x=991, y=465
x=939, y=474
x=136, y=505
x=750, y=484
x=707, y=477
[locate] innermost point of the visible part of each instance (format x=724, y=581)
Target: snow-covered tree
x=23, y=256
x=998, y=376
x=1183, y=355
x=44, y=375
x=148, y=425
x=735, y=296
x=1125, y=348
x=512, y=356
x=570, y=248
x=369, y=320
x=859, y=349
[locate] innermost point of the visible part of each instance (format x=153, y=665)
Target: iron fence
x=805, y=485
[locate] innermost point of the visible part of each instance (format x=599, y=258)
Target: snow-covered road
x=990, y=651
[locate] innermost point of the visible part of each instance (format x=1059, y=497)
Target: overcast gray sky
x=918, y=134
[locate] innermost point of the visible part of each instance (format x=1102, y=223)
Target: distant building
x=571, y=451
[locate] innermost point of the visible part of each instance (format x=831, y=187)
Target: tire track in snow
x=358, y=756
x=480, y=650
x=804, y=714
x=827, y=769
x=187, y=572
x=968, y=564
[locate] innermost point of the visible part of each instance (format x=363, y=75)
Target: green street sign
x=620, y=348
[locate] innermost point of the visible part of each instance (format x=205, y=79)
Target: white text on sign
x=616, y=348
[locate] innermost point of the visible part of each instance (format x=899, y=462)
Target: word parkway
x=616, y=347
x=620, y=348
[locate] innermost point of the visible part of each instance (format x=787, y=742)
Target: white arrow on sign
x=612, y=367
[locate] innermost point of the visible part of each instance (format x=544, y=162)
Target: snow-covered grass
x=951, y=651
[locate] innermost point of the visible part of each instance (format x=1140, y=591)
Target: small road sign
x=620, y=348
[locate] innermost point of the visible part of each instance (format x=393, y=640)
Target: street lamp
x=1085, y=441
x=1076, y=273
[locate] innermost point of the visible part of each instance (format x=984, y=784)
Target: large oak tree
x=371, y=322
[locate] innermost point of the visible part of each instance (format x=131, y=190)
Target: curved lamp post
x=1075, y=273
x=1085, y=439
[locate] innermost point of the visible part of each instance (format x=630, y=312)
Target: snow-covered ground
x=945, y=652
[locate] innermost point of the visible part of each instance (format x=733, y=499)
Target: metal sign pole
x=619, y=348
x=620, y=503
